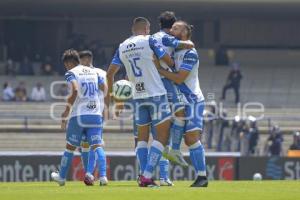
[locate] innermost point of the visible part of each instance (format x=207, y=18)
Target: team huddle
x=166, y=99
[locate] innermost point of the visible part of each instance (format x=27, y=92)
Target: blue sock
x=163, y=168
x=85, y=158
x=142, y=154
x=91, y=161
x=154, y=156
x=101, y=161
x=177, y=130
x=197, y=156
x=65, y=163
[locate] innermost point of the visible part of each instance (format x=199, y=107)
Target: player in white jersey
x=83, y=112
x=87, y=153
x=186, y=77
x=175, y=97
x=136, y=54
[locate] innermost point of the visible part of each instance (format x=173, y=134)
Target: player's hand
x=64, y=117
x=156, y=62
x=63, y=124
x=189, y=45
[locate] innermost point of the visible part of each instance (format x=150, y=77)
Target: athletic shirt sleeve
x=69, y=76
x=156, y=48
x=170, y=41
x=100, y=80
x=116, y=59
x=190, y=59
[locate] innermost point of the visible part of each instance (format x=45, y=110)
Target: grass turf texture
x=239, y=190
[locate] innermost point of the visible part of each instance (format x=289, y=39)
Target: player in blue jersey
x=186, y=77
x=83, y=113
x=176, y=99
x=136, y=54
x=88, y=154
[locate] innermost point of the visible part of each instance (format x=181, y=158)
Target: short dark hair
x=189, y=28
x=140, y=20
x=85, y=53
x=167, y=19
x=71, y=55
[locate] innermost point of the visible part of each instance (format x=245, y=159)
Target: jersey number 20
x=90, y=88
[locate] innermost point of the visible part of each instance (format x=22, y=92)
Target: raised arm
x=171, y=41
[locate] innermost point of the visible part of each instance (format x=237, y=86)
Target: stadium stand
x=270, y=77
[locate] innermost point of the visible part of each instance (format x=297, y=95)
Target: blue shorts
x=175, y=97
x=89, y=126
x=153, y=110
x=194, y=116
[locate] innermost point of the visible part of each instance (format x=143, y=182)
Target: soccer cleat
x=55, y=177
x=147, y=182
x=89, y=179
x=103, y=181
x=201, y=181
x=176, y=156
x=165, y=182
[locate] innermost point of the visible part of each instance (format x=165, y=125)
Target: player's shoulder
x=192, y=52
x=159, y=34
x=74, y=70
x=100, y=71
x=187, y=52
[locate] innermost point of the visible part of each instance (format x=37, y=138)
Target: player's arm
x=70, y=77
x=160, y=53
x=189, y=60
x=113, y=68
x=171, y=41
x=102, y=85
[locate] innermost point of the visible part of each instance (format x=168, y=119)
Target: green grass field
x=239, y=190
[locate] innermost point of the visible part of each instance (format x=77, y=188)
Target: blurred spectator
x=224, y=136
x=8, y=93
x=296, y=141
x=233, y=81
x=274, y=142
x=26, y=67
x=47, y=69
x=210, y=119
x=244, y=134
x=237, y=127
x=253, y=135
x=11, y=68
x=38, y=93
x=20, y=92
x=63, y=90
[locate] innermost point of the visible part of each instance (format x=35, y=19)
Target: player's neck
x=183, y=38
x=139, y=33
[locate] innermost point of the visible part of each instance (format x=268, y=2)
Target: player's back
x=88, y=99
x=137, y=54
x=188, y=59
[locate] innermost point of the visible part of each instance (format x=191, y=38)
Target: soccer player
x=83, y=113
x=169, y=43
x=186, y=77
x=88, y=154
x=149, y=95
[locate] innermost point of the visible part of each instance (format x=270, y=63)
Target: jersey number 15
x=136, y=70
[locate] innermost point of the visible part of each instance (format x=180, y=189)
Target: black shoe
x=201, y=181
